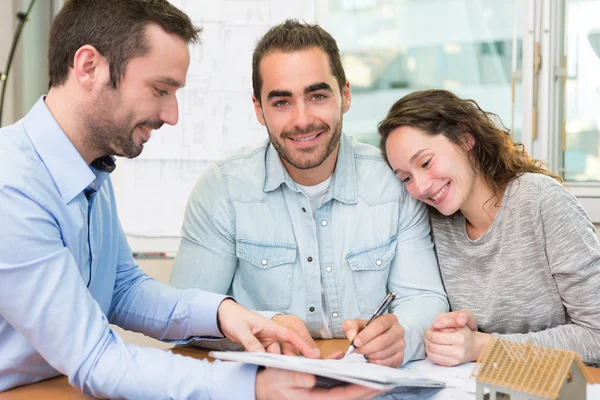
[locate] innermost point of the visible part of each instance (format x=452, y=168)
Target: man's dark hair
x=291, y=36
x=116, y=28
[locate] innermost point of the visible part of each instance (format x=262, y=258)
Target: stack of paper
x=365, y=374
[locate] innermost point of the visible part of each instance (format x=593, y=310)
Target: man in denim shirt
x=313, y=228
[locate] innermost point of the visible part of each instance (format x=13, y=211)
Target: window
x=391, y=48
x=582, y=107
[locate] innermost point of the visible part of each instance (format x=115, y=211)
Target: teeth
x=307, y=139
x=440, y=193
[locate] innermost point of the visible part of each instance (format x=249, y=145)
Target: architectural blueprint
x=216, y=116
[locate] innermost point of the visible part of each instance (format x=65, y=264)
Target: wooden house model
x=522, y=371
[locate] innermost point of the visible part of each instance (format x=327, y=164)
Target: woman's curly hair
x=493, y=153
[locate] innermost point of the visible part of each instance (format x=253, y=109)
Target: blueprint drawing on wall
x=216, y=116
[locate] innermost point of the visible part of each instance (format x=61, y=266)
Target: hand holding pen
x=380, y=339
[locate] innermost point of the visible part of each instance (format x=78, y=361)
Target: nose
x=169, y=112
x=421, y=185
x=302, y=118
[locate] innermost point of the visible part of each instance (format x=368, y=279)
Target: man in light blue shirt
x=66, y=269
x=313, y=225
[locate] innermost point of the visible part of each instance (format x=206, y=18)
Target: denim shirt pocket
x=370, y=269
x=266, y=272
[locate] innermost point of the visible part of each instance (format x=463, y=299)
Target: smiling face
x=302, y=107
x=121, y=120
x=433, y=169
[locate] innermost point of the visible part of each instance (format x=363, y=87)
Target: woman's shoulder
x=539, y=180
x=531, y=186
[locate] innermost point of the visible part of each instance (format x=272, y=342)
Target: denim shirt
x=249, y=232
x=66, y=271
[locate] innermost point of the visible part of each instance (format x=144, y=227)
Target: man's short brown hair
x=290, y=36
x=116, y=28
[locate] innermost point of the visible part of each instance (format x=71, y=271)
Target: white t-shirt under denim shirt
x=316, y=196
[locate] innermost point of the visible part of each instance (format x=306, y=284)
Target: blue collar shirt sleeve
x=66, y=271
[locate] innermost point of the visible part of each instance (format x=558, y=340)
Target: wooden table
x=59, y=388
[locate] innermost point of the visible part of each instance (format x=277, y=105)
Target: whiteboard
x=216, y=118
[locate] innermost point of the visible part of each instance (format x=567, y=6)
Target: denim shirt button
x=309, y=259
x=312, y=309
x=335, y=315
x=378, y=262
x=328, y=269
x=264, y=262
x=323, y=223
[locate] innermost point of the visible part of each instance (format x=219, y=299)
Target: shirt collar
x=68, y=169
x=344, y=187
x=343, y=184
x=276, y=174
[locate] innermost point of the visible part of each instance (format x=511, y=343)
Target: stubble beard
x=107, y=135
x=297, y=160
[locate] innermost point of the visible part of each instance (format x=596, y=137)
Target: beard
x=110, y=137
x=108, y=134
x=310, y=157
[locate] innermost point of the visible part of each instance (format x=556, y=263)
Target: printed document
x=338, y=371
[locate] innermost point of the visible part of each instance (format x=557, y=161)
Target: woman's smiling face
x=433, y=169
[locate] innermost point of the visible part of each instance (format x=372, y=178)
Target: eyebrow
x=279, y=93
x=416, y=155
x=309, y=89
x=412, y=159
x=318, y=86
x=170, y=82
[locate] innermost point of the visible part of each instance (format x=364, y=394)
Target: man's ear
x=258, y=111
x=346, y=97
x=89, y=67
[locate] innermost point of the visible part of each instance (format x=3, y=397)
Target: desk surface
x=59, y=388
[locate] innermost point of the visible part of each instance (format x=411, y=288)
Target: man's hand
x=382, y=342
x=255, y=332
x=278, y=384
x=454, y=346
x=297, y=325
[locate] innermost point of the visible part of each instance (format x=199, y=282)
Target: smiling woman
x=518, y=255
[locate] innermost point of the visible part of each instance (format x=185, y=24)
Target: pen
x=380, y=309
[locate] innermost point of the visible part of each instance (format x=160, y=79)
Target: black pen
x=382, y=307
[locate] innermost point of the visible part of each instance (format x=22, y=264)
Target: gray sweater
x=534, y=275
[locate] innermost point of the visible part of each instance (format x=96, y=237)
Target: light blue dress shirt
x=249, y=231
x=66, y=271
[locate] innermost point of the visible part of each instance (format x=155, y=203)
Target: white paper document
x=345, y=370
